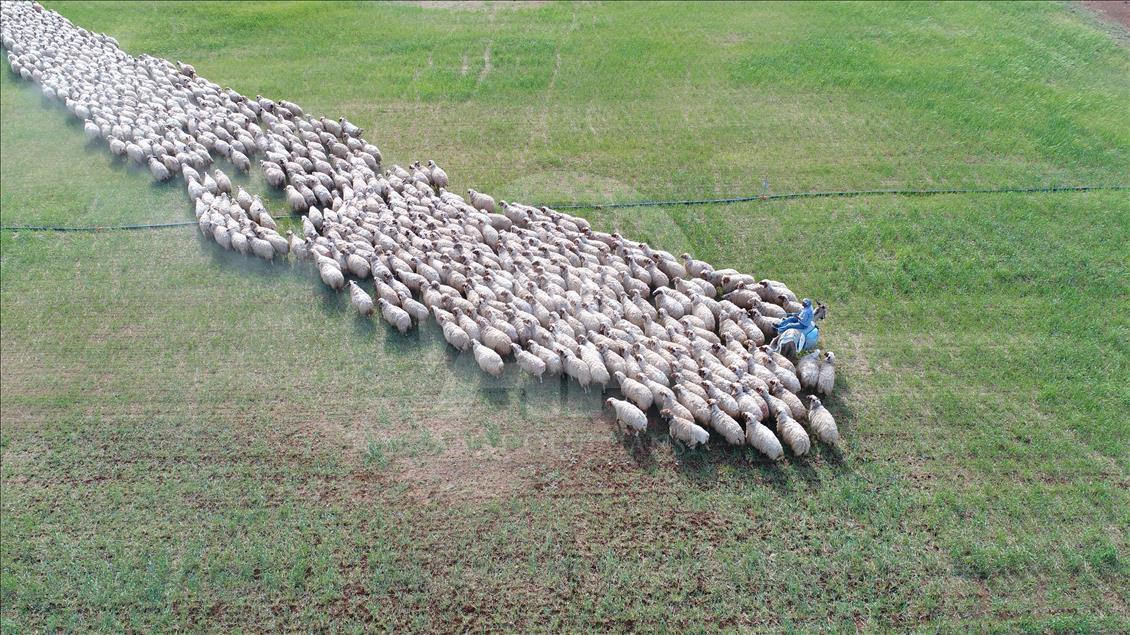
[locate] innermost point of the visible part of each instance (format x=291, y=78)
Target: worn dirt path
x=1113, y=10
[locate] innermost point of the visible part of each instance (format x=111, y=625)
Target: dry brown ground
x=1114, y=10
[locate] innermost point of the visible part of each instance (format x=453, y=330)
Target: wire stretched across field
x=843, y=193
x=665, y=203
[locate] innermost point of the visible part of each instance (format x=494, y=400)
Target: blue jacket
x=803, y=320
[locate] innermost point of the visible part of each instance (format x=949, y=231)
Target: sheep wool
x=808, y=370
x=360, y=300
x=827, y=374
x=455, y=336
x=531, y=282
x=636, y=392
x=330, y=275
x=796, y=407
x=628, y=414
x=725, y=425
x=761, y=439
x=261, y=248
x=821, y=422
x=685, y=430
x=530, y=363
x=576, y=368
x=395, y=316
x=487, y=359
x=792, y=434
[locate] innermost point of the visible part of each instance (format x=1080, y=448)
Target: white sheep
x=499, y=341
x=330, y=274
x=223, y=183
x=296, y=201
x=685, y=430
x=242, y=197
x=827, y=374
x=266, y=221
x=628, y=414
x=418, y=311
x=529, y=362
x=222, y=236
x=792, y=434
x=261, y=248
x=361, y=300
x=796, y=408
x=92, y=130
x=636, y=392
x=240, y=161
x=298, y=246
x=598, y=372
x=357, y=266
x=395, y=316
x=158, y=170
x=725, y=425
x=240, y=244
x=762, y=439
x=454, y=335
x=487, y=359
x=576, y=368
x=821, y=422
x=808, y=370
x=481, y=201
x=438, y=176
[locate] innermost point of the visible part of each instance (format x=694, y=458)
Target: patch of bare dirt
x=460, y=473
x=433, y=461
x=1113, y=10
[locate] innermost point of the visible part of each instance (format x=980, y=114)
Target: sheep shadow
x=703, y=467
x=512, y=388
x=365, y=326
x=228, y=260
x=821, y=464
x=640, y=447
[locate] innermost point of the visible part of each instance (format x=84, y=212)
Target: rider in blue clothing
x=802, y=320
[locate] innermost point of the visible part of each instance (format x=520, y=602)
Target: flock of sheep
x=505, y=281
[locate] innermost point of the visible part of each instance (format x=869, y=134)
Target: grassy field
x=191, y=439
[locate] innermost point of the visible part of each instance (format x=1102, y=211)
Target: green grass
x=192, y=439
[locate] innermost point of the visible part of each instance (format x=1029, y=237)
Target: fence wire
x=662, y=203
